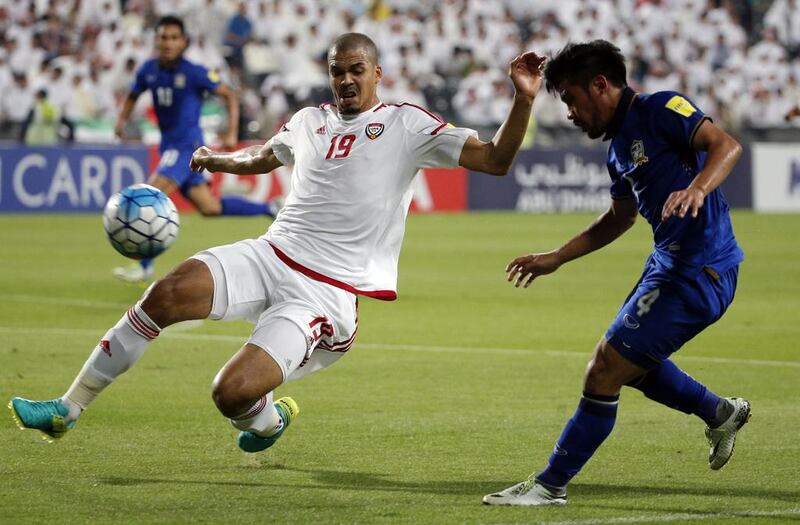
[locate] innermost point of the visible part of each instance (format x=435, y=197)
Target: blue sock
x=585, y=432
x=669, y=385
x=242, y=206
x=146, y=263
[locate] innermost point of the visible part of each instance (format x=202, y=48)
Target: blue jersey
x=178, y=94
x=651, y=156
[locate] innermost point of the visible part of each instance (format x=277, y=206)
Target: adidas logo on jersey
x=321, y=130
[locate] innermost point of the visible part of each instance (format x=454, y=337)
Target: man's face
x=587, y=107
x=170, y=43
x=354, y=80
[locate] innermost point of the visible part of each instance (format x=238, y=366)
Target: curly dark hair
x=579, y=63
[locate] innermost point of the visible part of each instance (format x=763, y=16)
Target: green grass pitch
x=458, y=388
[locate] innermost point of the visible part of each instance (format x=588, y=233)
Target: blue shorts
x=667, y=309
x=174, y=165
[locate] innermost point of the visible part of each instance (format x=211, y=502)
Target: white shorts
x=303, y=324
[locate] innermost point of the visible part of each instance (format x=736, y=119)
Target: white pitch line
x=65, y=301
x=566, y=353
x=174, y=332
x=672, y=517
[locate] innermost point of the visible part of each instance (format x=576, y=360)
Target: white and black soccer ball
x=141, y=221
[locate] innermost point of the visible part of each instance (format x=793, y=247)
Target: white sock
x=261, y=419
x=119, y=350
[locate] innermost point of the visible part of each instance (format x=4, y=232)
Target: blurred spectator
x=237, y=34
x=42, y=123
x=208, y=21
x=15, y=106
x=784, y=16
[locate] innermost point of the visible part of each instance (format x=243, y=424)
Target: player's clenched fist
x=199, y=158
x=526, y=268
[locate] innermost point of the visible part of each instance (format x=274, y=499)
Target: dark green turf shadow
x=329, y=480
x=347, y=480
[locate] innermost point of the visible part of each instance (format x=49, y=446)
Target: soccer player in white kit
x=338, y=237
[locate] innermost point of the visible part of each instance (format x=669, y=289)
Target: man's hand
x=679, y=203
x=199, y=158
x=528, y=267
x=526, y=73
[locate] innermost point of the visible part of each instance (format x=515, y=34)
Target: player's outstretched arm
x=618, y=219
x=496, y=157
x=723, y=152
x=231, y=137
x=248, y=161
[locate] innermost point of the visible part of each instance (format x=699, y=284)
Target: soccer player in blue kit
x=178, y=88
x=666, y=160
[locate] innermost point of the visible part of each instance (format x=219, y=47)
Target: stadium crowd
x=71, y=61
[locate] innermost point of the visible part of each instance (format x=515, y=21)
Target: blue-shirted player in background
x=666, y=160
x=178, y=88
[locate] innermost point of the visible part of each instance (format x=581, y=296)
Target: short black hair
x=350, y=41
x=579, y=63
x=171, y=20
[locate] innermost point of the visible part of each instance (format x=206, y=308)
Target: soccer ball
x=141, y=221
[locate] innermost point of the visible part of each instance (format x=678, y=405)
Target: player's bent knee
x=231, y=394
x=596, y=380
x=609, y=371
x=228, y=397
x=246, y=377
x=600, y=377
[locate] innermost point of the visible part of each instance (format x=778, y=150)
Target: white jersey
x=344, y=218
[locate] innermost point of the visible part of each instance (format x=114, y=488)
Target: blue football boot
x=48, y=417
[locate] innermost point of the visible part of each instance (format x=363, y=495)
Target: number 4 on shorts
x=646, y=301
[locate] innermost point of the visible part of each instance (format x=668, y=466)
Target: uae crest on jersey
x=374, y=130
x=637, y=153
x=180, y=81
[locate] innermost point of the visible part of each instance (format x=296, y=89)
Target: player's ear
x=600, y=84
x=378, y=73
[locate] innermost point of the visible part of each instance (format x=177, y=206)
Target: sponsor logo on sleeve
x=681, y=106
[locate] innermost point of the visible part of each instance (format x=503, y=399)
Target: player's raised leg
x=672, y=387
x=210, y=206
x=185, y=293
x=582, y=436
